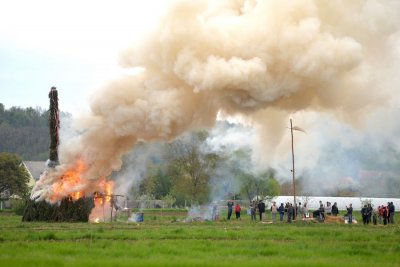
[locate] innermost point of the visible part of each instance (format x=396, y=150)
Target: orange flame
x=69, y=183
x=102, y=201
x=104, y=191
x=76, y=195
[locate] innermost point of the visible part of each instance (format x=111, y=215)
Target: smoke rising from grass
x=264, y=60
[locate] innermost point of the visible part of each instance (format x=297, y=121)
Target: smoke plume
x=265, y=60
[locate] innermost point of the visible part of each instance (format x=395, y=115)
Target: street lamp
x=293, y=170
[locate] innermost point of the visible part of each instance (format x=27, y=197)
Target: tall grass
x=165, y=242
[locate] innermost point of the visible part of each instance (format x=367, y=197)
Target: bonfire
x=70, y=200
x=62, y=194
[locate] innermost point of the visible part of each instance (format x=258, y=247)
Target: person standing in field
x=380, y=214
x=253, y=208
x=281, y=210
x=369, y=213
x=305, y=210
x=391, y=212
x=328, y=209
x=364, y=214
x=290, y=212
x=237, y=211
x=300, y=211
x=274, y=211
x=350, y=213
x=385, y=215
x=374, y=217
x=335, y=210
x=321, y=213
x=261, y=209
x=230, y=208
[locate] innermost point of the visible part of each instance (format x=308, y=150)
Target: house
x=34, y=169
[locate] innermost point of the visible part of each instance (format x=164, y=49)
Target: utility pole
x=295, y=128
x=293, y=173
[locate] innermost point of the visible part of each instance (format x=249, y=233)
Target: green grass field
x=163, y=240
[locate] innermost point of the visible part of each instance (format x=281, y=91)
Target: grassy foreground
x=163, y=240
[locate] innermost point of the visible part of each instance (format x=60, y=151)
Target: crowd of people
x=289, y=212
x=388, y=213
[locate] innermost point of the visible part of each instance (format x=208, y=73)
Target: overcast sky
x=73, y=45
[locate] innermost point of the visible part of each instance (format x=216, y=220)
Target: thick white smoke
x=262, y=59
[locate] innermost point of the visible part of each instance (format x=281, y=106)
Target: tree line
x=25, y=132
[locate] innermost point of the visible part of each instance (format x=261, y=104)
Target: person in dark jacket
x=261, y=209
x=281, y=211
x=391, y=212
x=335, y=210
x=230, y=209
x=290, y=212
x=321, y=213
x=350, y=213
x=369, y=213
x=364, y=214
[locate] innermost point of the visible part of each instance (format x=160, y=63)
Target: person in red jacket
x=385, y=215
x=237, y=211
x=380, y=214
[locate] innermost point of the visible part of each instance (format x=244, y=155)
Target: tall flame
x=102, y=202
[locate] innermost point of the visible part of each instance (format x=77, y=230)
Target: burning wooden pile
x=66, y=203
x=65, y=200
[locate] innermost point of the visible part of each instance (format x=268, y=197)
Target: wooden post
x=54, y=125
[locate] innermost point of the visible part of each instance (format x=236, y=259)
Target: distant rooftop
x=36, y=168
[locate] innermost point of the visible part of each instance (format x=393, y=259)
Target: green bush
x=18, y=206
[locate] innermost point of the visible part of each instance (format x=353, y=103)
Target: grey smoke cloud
x=265, y=60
